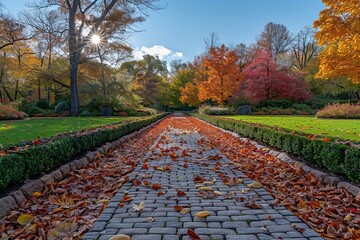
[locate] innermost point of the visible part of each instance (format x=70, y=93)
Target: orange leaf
x=160, y=193
x=127, y=198
x=37, y=194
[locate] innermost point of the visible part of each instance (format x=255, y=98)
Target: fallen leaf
x=156, y=186
x=255, y=185
x=138, y=208
x=193, y=235
x=181, y=194
x=198, y=179
x=208, y=183
x=206, y=188
x=184, y=211
x=37, y=194
x=126, y=198
x=178, y=208
x=120, y=237
x=24, y=219
x=150, y=219
x=202, y=214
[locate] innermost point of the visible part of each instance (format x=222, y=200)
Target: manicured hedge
x=46, y=157
x=338, y=158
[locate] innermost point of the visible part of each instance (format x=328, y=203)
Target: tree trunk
x=75, y=101
x=16, y=89
x=74, y=59
x=102, y=73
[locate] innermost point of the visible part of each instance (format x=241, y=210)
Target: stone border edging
x=20, y=196
x=283, y=156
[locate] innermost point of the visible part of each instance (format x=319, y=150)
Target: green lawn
x=342, y=128
x=16, y=131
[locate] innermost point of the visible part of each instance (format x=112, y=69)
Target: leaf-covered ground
x=67, y=209
x=341, y=128
x=334, y=213
x=70, y=207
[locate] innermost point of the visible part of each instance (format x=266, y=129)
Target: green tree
x=178, y=81
x=150, y=72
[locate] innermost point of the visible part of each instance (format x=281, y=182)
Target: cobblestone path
x=189, y=154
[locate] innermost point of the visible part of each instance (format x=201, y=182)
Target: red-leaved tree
x=266, y=80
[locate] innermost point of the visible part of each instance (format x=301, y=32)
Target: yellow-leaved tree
x=339, y=35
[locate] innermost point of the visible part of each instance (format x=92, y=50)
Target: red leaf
x=198, y=179
x=193, y=235
x=178, y=208
x=145, y=166
x=181, y=194
x=156, y=186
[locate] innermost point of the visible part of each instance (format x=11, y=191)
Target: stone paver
x=229, y=218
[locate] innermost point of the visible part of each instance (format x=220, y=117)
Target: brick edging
x=283, y=156
x=20, y=196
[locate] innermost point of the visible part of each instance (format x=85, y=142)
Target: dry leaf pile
x=67, y=209
x=332, y=212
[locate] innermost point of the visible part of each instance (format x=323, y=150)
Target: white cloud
x=156, y=50
x=177, y=55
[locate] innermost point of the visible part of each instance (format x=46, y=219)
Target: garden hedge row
x=43, y=158
x=338, y=158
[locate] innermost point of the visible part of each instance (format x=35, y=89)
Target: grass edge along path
x=342, y=129
x=16, y=131
x=43, y=158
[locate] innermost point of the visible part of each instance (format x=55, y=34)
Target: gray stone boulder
x=243, y=110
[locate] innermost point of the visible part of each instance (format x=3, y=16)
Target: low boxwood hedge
x=44, y=158
x=338, y=158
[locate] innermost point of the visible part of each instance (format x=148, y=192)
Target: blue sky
x=180, y=28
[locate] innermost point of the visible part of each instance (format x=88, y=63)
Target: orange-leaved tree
x=339, y=35
x=190, y=94
x=223, y=75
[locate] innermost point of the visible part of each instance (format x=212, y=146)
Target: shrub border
x=44, y=158
x=338, y=158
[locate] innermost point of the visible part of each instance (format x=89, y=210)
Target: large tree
x=339, y=35
x=149, y=76
x=179, y=80
x=109, y=19
x=223, y=75
x=267, y=80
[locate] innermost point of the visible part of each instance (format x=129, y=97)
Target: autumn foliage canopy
x=218, y=77
x=265, y=80
x=339, y=35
